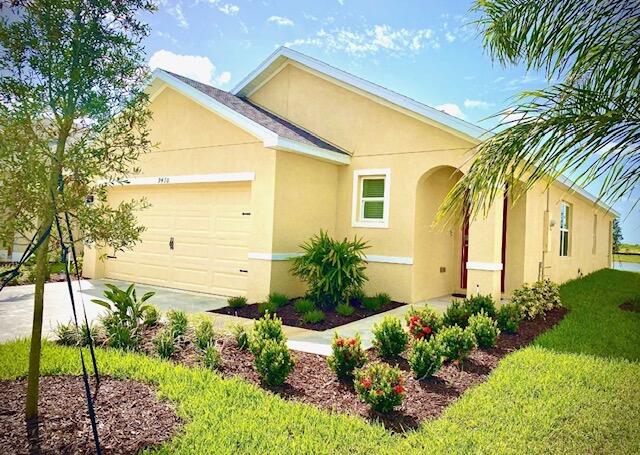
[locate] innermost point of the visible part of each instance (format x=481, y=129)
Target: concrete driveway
x=16, y=304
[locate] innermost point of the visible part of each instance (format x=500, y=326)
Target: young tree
x=72, y=121
x=586, y=124
x=617, y=236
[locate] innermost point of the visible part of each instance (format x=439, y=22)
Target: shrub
x=178, y=322
x=371, y=304
x=344, y=309
x=390, y=339
x=456, y=343
x=122, y=337
x=241, y=335
x=383, y=298
x=279, y=300
x=303, y=306
x=456, y=314
x=267, y=308
x=535, y=300
x=124, y=306
x=333, y=270
x=151, y=316
x=425, y=357
x=357, y=295
x=269, y=327
x=274, y=362
x=481, y=303
x=423, y=322
x=237, y=302
x=347, y=355
x=86, y=334
x=205, y=335
x=164, y=343
x=509, y=317
x=380, y=385
x=211, y=357
x=484, y=329
x=67, y=334
x=313, y=317
x=549, y=292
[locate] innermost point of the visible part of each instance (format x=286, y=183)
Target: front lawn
x=575, y=391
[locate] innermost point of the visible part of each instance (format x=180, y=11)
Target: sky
x=428, y=50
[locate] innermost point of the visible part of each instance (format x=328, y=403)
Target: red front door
x=464, y=255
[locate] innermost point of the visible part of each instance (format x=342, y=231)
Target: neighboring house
x=241, y=179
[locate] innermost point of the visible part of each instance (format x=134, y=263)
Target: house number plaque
x=163, y=180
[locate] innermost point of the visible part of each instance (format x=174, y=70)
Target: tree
x=616, y=234
x=73, y=120
x=587, y=124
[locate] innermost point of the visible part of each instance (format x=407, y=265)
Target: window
x=565, y=224
x=371, y=198
x=594, y=246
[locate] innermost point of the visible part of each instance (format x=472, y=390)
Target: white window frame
x=565, y=229
x=357, y=218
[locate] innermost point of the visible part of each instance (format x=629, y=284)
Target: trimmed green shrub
x=484, y=329
x=164, y=343
x=509, y=317
x=457, y=313
x=537, y=299
x=237, y=302
x=423, y=322
x=303, y=306
x=268, y=327
x=67, y=334
x=267, y=308
x=390, y=339
x=178, y=322
x=381, y=386
x=241, y=335
x=313, y=317
x=481, y=303
x=332, y=269
x=344, y=309
x=425, y=357
x=347, y=355
x=371, y=304
x=204, y=334
x=279, y=300
x=151, y=316
x=274, y=362
x=456, y=343
x=383, y=298
x=211, y=357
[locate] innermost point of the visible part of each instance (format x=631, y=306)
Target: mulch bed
x=291, y=318
x=313, y=382
x=630, y=306
x=130, y=417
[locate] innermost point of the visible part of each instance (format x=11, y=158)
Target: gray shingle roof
x=266, y=119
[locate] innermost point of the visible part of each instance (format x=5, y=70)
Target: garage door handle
x=244, y=271
x=171, y=243
x=246, y=213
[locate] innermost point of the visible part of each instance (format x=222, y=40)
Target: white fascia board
x=572, y=186
x=378, y=91
x=288, y=145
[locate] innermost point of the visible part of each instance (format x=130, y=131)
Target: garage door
x=196, y=238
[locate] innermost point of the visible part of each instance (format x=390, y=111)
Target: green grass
x=575, y=391
x=626, y=258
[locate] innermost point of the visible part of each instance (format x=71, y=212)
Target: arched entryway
x=437, y=249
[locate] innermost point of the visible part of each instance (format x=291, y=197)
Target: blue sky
x=426, y=50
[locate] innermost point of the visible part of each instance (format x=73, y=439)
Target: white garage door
x=196, y=238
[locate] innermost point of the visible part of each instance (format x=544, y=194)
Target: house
x=240, y=179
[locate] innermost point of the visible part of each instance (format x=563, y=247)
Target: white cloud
x=223, y=78
x=477, y=103
x=450, y=37
x=279, y=20
x=195, y=67
x=176, y=12
x=341, y=2
x=512, y=117
x=451, y=109
x=371, y=40
x=229, y=9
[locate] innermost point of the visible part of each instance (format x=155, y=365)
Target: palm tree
x=585, y=124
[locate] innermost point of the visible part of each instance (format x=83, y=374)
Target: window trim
x=357, y=209
x=567, y=229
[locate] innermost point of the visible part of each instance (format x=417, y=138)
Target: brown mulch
x=630, y=306
x=291, y=318
x=130, y=417
x=313, y=382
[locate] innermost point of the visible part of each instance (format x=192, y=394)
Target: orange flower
x=399, y=389
x=352, y=342
x=366, y=383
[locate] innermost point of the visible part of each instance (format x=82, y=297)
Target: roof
x=282, y=55
x=275, y=132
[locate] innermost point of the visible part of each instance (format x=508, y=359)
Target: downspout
x=545, y=239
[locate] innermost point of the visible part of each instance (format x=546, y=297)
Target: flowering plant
x=380, y=386
x=347, y=355
x=423, y=322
